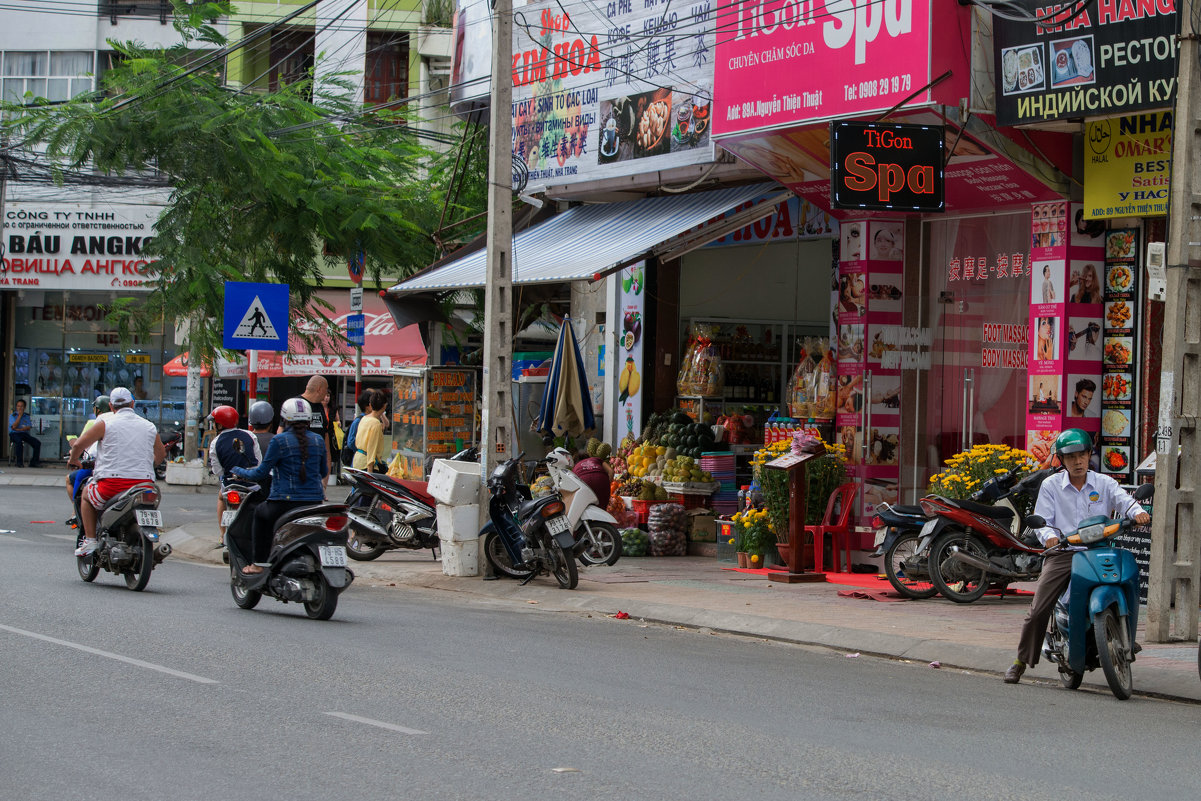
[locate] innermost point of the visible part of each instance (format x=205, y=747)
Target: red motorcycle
x=974, y=545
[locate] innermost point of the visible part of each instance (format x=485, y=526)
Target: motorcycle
x=898, y=539
x=127, y=534
x=974, y=545
x=173, y=445
x=387, y=513
x=1094, y=621
x=597, y=540
x=307, y=563
x=527, y=537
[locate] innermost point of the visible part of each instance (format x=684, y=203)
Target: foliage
x=755, y=532
x=823, y=475
x=965, y=472
x=280, y=186
x=440, y=13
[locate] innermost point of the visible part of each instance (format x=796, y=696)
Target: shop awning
x=587, y=240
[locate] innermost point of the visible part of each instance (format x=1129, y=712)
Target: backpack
x=348, y=449
x=235, y=448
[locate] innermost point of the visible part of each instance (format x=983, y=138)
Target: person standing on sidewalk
x=369, y=437
x=1064, y=500
x=19, y=426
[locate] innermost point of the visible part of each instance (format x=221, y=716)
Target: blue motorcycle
x=1093, y=624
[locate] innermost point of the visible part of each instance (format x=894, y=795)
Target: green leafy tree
x=279, y=186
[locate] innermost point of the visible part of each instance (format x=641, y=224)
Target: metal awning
x=587, y=240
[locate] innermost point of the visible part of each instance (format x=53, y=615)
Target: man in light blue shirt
x=20, y=434
x=1064, y=500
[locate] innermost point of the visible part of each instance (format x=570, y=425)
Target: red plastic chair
x=839, y=529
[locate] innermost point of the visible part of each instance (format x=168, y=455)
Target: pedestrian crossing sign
x=256, y=316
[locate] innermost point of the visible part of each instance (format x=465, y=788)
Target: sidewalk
x=54, y=474
x=696, y=592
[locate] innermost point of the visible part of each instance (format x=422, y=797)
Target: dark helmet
x=101, y=405
x=225, y=416
x=1073, y=440
x=261, y=413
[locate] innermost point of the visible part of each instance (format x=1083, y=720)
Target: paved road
x=176, y=694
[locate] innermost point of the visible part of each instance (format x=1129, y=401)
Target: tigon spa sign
x=887, y=167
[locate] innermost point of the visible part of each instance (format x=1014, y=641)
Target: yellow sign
x=92, y=358
x=137, y=358
x=1128, y=166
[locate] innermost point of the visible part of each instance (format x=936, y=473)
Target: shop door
x=978, y=311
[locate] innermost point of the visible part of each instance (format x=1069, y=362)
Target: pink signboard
x=785, y=62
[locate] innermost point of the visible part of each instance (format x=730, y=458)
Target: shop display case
x=433, y=415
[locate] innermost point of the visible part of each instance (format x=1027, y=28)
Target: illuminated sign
x=887, y=167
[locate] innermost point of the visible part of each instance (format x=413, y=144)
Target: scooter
x=974, y=545
x=898, y=537
x=307, y=563
x=525, y=536
x=387, y=513
x=1094, y=621
x=127, y=534
x=597, y=540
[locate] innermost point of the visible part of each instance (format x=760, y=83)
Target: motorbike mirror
x=1144, y=492
x=1036, y=521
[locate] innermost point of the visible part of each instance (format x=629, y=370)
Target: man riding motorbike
x=75, y=478
x=232, y=447
x=1064, y=500
x=298, y=463
x=127, y=448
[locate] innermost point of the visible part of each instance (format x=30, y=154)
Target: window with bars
x=54, y=75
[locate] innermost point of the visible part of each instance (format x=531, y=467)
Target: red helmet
x=225, y=416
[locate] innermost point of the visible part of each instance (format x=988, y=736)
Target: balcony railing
x=141, y=9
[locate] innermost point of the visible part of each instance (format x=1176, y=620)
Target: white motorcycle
x=597, y=540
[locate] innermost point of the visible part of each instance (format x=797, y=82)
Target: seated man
x=127, y=449
x=19, y=426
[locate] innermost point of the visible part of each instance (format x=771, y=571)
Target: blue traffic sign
x=256, y=316
x=355, y=324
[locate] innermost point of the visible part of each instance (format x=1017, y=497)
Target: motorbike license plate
x=149, y=517
x=929, y=527
x=881, y=533
x=227, y=516
x=332, y=555
x=558, y=525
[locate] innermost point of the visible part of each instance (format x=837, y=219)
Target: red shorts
x=102, y=490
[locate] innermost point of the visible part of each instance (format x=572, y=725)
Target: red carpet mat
x=872, y=586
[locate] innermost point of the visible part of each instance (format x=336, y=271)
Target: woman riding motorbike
x=296, y=461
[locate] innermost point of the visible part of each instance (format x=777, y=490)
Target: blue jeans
x=18, y=440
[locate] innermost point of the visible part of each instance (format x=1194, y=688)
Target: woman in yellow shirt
x=369, y=436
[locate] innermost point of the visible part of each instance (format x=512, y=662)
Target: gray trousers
x=1056, y=573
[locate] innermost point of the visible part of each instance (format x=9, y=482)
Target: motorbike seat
x=527, y=508
x=135, y=488
x=418, y=489
x=995, y=512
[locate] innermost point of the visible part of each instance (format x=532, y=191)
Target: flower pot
x=743, y=559
x=755, y=560
x=785, y=549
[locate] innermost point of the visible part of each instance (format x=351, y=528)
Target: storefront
x=65, y=268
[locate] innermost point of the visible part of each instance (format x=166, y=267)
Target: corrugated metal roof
x=586, y=240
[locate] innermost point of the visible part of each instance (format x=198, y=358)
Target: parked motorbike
x=898, y=537
x=173, y=444
x=127, y=535
x=387, y=513
x=1095, y=619
x=307, y=563
x=527, y=537
x=597, y=540
x=975, y=545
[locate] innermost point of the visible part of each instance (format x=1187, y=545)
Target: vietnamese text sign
x=784, y=62
x=1114, y=56
x=1128, y=166
x=610, y=90
x=355, y=324
x=893, y=167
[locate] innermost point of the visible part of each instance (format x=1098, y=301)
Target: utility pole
x=495, y=436
x=1175, y=539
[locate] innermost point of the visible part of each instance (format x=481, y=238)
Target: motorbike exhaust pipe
x=368, y=524
x=981, y=564
x=161, y=552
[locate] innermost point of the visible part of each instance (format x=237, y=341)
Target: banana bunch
x=629, y=382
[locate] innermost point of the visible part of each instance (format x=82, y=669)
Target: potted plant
x=823, y=475
x=965, y=472
x=755, y=536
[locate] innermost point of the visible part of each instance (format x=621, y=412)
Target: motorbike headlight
x=1090, y=534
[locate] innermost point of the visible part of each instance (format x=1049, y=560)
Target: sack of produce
x=667, y=542
x=634, y=542
x=668, y=523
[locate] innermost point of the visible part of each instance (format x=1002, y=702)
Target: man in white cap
x=127, y=449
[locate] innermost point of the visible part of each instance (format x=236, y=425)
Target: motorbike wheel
x=564, y=568
x=138, y=576
x=322, y=607
x=360, y=551
x=1069, y=678
x=955, y=580
x=498, y=557
x=88, y=567
x=244, y=598
x=602, y=547
x=1112, y=652
x=904, y=548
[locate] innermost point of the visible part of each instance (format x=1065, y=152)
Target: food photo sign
x=610, y=90
x=1108, y=57
x=1119, y=353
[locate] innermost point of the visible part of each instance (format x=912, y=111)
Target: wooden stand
x=797, y=492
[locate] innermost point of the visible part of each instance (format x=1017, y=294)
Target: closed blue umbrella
x=566, y=403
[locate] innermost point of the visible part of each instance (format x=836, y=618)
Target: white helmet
x=561, y=457
x=296, y=409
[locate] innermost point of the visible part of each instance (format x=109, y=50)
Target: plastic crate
x=689, y=500
x=643, y=510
